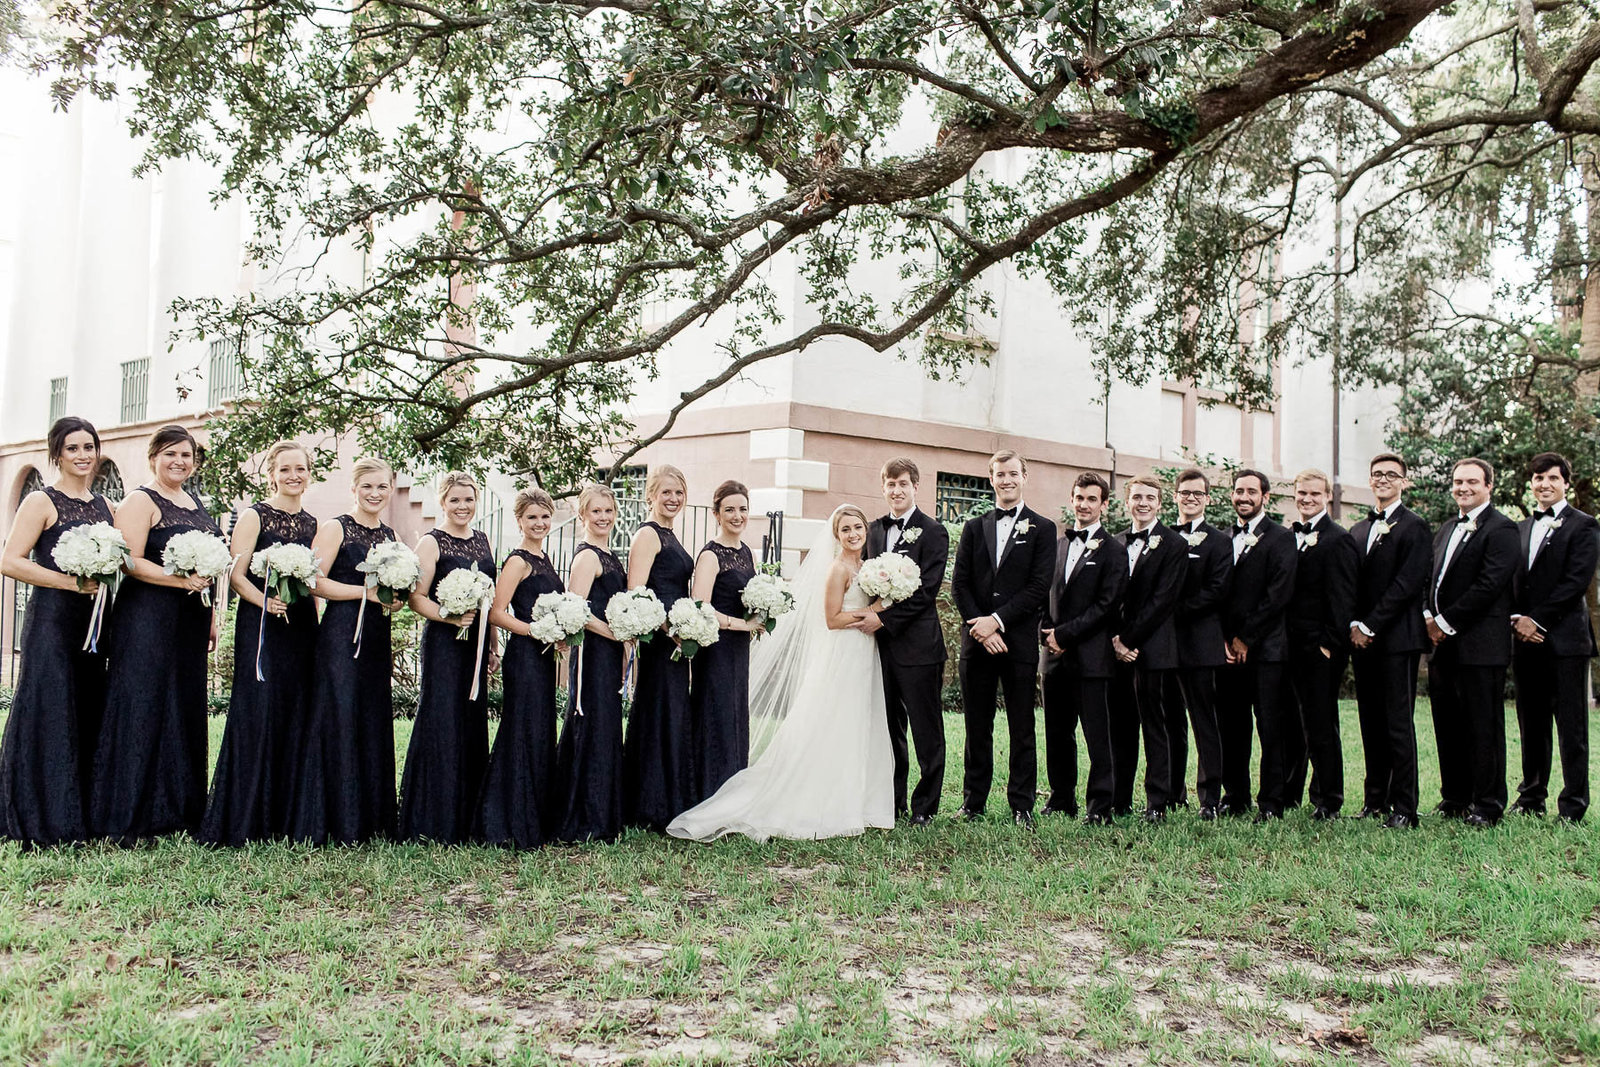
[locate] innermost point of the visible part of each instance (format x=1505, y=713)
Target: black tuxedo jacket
x=1263, y=583
x=1392, y=582
x=1151, y=598
x=911, y=635
x=1324, y=589
x=1083, y=609
x=1552, y=592
x=1016, y=590
x=1207, y=578
x=1474, y=596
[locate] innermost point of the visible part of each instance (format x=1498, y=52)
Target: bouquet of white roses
x=287, y=571
x=890, y=577
x=694, y=624
x=635, y=614
x=392, y=569
x=461, y=591
x=92, y=552
x=197, y=552
x=559, y=617
x=765, y=597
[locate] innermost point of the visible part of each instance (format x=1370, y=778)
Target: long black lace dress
x=150, y=761
x=252, y=791
x=449, y=747
x=719, y=699
x=658, y=776
x=345, y=793
x=517, y=791
x=588, y=804
x=47, y=753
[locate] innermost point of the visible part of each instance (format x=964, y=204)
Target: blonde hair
x=847, y=509
x=1142, y=479
x=1005, y=454
x=369, y=465
x=659, y=474
x=455, y=478
x=590, y=491
x=1312, y=474
x=278, y=449
x=529, y=497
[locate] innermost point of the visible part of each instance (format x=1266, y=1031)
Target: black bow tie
x=1302, y=527
x=1139, y=535
x=1547, y=513
x=898, y=524
x=1005, y=513
x=1078, y=535
x=1189, y=527
x=1240, y=529
x=1374, y=516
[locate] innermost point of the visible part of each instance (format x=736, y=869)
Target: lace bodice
x=70, y=512
x=358, y=541
x=611, y=580
x=279, y=528
x=735, y=568
x=672, y=568
x=456, y=552
x=541, y=579
x=174, y=520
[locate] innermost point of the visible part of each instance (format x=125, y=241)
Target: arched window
x=19, y=590
x=108, y=483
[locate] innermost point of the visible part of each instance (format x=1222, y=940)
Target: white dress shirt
x=1386, y=515
x=1002, y=534
x=1542, y=528
x=1137, y=548
x=892, y=537
x=1238, y=538
x=1457, y=536
x=1301, y=538
x=1076, y=549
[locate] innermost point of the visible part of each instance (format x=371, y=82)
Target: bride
x=819, y=739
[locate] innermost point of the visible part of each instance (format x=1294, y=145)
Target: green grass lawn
x=968, y=944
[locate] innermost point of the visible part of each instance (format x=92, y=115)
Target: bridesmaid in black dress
x=658, y=772
x=588, y=806
x=519, y=788
x=719, y=699
x=345, y=791
x=150, y=762
x=252, y=791
x=47, y=752
x=449, y=748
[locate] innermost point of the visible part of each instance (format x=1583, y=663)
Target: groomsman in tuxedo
x=1077, y=661
x=910, y=642
x=1000, y=584
x=1207, y=579
x=1257, y=651
x=1319, y=626
x=1468, y=616
x=1554, y=640
x=1146, y=644
x=1388, y=638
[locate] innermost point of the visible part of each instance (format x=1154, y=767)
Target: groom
x=910, y=642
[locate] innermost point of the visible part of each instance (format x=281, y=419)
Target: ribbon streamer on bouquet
x=627, y=670
x=91, y=640
x=261, y=632
x=477, y=662
x=361, y=617
x=577, y=689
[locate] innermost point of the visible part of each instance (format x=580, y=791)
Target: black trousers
x=1469, y=724
x=1197, y=692
x=1071, y=700
x=1553, y=690
x=911, y=697
x=1139, y=711
x=983, y=677
x=1315, y=680
x=1386, y=700
x=1243, y=689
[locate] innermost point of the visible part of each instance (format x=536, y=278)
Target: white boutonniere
x=1248, y=541
x=1555, y=524
x=1091, y=544
x=1195, y=539
x=1380, y=528
x=1022, y=526
x=1155, y=542
x=910, y=536
x=1469, y=528
x=1311, y=540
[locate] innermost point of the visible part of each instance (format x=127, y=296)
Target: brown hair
x=1261, y=479
x=727, y=489
x=1389, y=457
x=1005, y=454
x=846, y=509
x=1482, y=464
x=1313, y=474
x=527, y=498
x=63, y=428
x=659, y=474
x=900, y=465
x=1193, y=474
x=168, y=436
x=1541, y=463
x=455, y=478
x=1092, y=478
x=1142, y=479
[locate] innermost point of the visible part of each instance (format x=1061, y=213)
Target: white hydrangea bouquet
x=92, y=552
x=392, y=569
x=461, y=591
x=890, y=577
x=96, y=552
x=765, y=597
x=287, y=571
x=635, y=614
x=559, y=618
x=197, y=552
x=694, y=624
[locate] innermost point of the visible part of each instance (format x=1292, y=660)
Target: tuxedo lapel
x=1525, y=538
x=1445, y=533
x=989, y=523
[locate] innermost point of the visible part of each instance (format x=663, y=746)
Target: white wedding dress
x=828, y=769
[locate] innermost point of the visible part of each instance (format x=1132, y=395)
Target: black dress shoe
x=1535, y=810
x=1208, y=813
x=1400, y=821
x=922, y=820
x=1369, y=812
x=968, y=815
x=1478, y=819
x=1264, y=815
x=1449, y=811
x=1023, y=819
x=1321, y=814
x=1097, y=818
x=1154, y=815
x=1048, y=811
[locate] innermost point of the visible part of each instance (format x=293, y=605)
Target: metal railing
x=135, y=390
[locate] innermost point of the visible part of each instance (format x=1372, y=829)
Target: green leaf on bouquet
x=574, y=640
